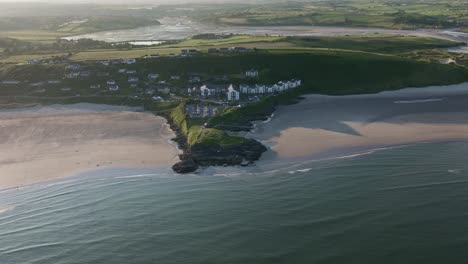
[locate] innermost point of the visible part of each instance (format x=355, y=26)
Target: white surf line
x=6, y=209
x=269, y=119
x=419, y=101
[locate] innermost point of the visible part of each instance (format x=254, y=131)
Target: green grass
x=179, y=118
x=238, y=119
x=371, y=43
x=339, y=73
x=32, y=35
x=25, y=57
x=237, y=39
x=352, y=13
x=324, y=71
x=199, y=44
x=197, y=135
x=374, y=43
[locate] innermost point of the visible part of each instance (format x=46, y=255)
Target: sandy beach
x=45, y=143
x=328, y=126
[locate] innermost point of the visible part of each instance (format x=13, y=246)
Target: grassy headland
x=205, y=146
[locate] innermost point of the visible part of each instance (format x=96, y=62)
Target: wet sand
x=45, y=143
x=181, y=28
x=327, y=126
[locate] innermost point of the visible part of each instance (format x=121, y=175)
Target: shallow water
x=181, y=28
x=399, y=205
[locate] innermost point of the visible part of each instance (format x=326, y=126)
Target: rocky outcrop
x=185, y=166
x=216, y=155
x=204, y=155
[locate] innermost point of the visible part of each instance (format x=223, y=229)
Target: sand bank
x=45, y=143
x=326, y=126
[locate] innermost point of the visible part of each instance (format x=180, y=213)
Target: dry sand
x=326, y=126
x=45, y=143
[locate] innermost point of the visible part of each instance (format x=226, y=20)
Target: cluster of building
x=269, y=89
x=251, y=73
x=200, y=110
x=117, y=62
x=233, y=94
x=230, y=50
x=48, y=60
x=73, y=71
x=189, y=52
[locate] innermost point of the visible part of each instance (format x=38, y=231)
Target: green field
x=370, y=43
x=353, y=13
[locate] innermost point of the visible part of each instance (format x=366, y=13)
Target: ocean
x=406, y=204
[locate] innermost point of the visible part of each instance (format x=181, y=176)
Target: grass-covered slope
x=377, y=43
x=209, y=146
x=374, y=43
x=339, y=73
x=322, y=71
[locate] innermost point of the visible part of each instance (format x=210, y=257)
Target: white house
x=281, y=86
x=298, y=83
x=251, y=73
x=260, y=88
x=133, y=79
x=73, y=67
x=153, y=76
x=72, y=75
x=244, y=88
x=130, y=61
x=114, y=88
x=205, y=91
x=110, y=82
x=164, y=90
x=158, y=98
x=150, y=91
x=105, y=62
x=232, y=94
x=270, y=89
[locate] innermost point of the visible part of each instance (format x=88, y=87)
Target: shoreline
x=166, y=32
x=59, y=141
x=344, y=153
x=312, y=129
x=294, y=165
x=327, y=126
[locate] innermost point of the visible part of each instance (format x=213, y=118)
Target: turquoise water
x=402, y=205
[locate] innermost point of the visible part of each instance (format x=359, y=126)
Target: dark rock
x=185, y=166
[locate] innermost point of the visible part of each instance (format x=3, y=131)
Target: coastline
x=51, y=142
x=316, y=128
x=323, y=126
